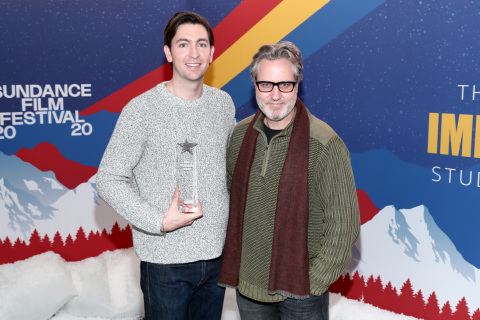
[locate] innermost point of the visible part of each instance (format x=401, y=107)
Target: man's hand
x=174, y=219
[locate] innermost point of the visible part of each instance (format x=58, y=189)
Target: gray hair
x=283, y=50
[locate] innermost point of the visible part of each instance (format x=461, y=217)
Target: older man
x=294, y=213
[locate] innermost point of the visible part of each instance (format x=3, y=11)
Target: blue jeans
x=313, y=308
x=182, y=291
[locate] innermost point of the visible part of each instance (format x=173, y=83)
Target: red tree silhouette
x=69, y=249
x=342, y=285
x=6, y=251
x=418, y=305
x=390, y=298
x=20, y=250
x=461, y=311
x=118, y=238
x=74, y=249
x=373, y=291
x=58, y=245
x=347, y=284
x=46, y=244
x=357, y=287
x=93, y=241
x=126, y=238
x=406, y=297
x=476, y=315
x=35, y=244
x=106, y=242
x=82, y=248
x=432, y=309
x=446, y=313
x=406, y=303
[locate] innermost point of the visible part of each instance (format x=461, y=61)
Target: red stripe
x=116, y=101
x=247, y=14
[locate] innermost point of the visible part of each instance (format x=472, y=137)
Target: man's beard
x=275, y=116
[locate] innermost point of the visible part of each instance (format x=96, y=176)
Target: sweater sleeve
x=114, y=175
x=341, y=223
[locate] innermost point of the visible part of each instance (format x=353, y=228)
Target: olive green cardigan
x=334, y=219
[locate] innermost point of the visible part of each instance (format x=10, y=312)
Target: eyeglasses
x=267, y=86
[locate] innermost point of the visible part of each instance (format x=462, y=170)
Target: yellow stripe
x=284, y=18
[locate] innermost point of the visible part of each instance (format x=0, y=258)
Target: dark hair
x=183, y=17
x=283, y=50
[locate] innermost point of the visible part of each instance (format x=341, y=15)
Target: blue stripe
x=323, y=26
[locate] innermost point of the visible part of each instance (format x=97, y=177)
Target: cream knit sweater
x=137, y=173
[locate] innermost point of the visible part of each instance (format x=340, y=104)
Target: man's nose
x=194, y=52
x=276, y=93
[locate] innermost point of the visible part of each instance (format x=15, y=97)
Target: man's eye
x=182, y=45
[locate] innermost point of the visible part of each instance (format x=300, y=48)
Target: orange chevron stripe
x=287, y=16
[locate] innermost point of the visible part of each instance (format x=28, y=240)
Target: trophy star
x=187, y=146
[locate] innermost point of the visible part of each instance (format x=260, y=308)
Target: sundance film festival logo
x=43, y=105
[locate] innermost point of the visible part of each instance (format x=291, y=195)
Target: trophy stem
x=187, y=181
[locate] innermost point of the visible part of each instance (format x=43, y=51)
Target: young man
x=179, y=245
x=294, y=213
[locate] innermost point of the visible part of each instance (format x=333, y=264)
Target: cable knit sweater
x=137, y=173
x=334, y=218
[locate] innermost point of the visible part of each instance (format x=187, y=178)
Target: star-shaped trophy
x=186, y=175
x=187, y=146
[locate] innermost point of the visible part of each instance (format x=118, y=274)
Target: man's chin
x=276, y=118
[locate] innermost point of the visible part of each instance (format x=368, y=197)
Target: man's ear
x=212, y=49
x=168, y=53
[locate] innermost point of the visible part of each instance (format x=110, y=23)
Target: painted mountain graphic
x=454, y=206
x=82, y=207
x=27, y=182
x=31, y=199
x=19, y=211
x=46, y=157
x=407, y=244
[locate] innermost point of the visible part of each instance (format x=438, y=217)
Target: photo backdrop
x=397, y=80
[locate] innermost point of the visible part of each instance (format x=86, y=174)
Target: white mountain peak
x=33, y=186
x=54, y=184
x=407, y=244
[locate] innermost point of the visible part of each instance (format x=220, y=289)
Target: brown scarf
x=289, y=269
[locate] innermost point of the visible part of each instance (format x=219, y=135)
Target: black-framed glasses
x=284, y=86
